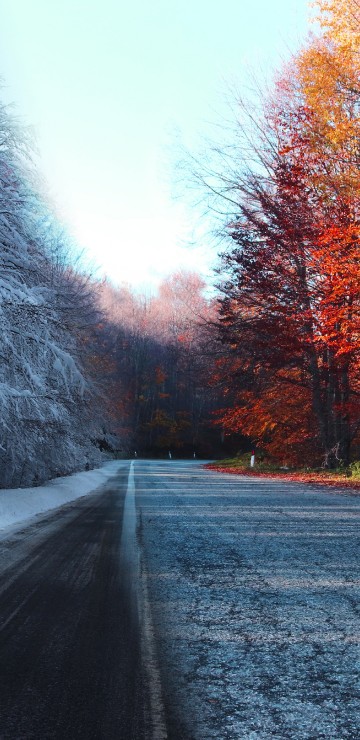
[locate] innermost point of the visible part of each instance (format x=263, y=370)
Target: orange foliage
x=291, y=311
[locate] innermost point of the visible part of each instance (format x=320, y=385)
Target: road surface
x=69, y=633
x=254, y=587
x=221, y=607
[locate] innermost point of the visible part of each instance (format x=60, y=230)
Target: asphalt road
x=182, y=604
x=254, y=589
x=70, y=663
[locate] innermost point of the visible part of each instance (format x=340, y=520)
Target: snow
x=46, y=425
x=20, y=504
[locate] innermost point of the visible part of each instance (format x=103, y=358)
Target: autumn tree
x=290, y=306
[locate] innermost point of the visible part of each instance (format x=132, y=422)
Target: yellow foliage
x=327, y=73
x=340, y=21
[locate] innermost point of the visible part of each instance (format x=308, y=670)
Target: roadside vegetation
x=348, y=477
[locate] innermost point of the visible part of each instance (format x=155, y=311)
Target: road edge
x=132, y=556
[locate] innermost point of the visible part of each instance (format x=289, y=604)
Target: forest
x=270, y=360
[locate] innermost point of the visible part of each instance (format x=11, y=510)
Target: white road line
x=131, y=559
x=129, y=551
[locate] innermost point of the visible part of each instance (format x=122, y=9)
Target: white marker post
x=252, y=459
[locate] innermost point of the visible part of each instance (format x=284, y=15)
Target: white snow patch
x=20, y=504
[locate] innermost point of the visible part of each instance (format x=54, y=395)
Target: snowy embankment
x=19, y=504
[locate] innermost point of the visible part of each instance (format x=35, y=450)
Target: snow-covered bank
x=20, y=504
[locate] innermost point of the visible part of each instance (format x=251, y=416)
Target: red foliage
x=291, y=308
x=322, y=479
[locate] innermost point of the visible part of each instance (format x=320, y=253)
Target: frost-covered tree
x=44, y=424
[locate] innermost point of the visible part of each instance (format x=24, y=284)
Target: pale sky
x=105, y=86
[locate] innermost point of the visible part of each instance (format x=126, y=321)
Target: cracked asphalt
x=178, y=603
x=254, y=591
